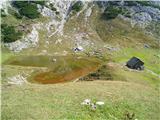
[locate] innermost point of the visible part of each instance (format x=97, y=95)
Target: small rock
x=86, y=102
x=93, y=106
x=100, y=103
x=54, y=60
x=146, y=46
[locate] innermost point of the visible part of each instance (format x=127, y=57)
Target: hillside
x=57, y=53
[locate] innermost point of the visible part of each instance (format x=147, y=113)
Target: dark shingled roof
x=134, y=63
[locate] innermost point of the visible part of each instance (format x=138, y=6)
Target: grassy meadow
x=127, y=94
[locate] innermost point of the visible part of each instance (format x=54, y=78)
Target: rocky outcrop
x=142, y=19
x=31, y=40
x=60, y=12
x=58, y=17
x=17, y=80
x=141, y=13
x=153, y=12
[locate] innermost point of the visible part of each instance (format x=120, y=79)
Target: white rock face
x=31, y=40
x=57, y=21
x=47, y=12
x=4, y=5
x=153, y=12
x=17, y=80
x=142, y=19
x=88, y=13
x=142, y=15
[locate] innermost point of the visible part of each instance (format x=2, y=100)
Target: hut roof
x=135, y=62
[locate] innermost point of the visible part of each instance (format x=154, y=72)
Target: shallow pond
x=60, y=68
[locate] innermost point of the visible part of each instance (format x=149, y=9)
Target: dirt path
x=153, y=73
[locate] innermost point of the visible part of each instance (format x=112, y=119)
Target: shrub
x=19, y=4
x=128, y=15
x=18, y=16
x=125, y=12
x=53, y=8
x=77, y=6
x=27, y=8
x=30, y=11
x=111, y=12
x=9, y=33
x=3, y=14
x=57, y=13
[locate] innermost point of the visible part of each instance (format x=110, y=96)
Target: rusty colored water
x=52, y=78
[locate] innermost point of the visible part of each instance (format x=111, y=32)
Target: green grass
x=63, y=101
x=129, y=91
x=47, y=61
x=120, y=33
x=148, y=55
x=5, y=56
x=10, y=20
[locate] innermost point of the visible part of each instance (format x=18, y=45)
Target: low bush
x=30, y=11
x=111, y=12
x=57, y=13
x=27, y=8
x=3, y=14
x=19, y=4
x=9, y=34
x=77, y=6
x=18, y=16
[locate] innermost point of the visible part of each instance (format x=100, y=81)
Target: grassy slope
x=63, y=101
x=60, y=101
x=119, y=33
x=148, y=55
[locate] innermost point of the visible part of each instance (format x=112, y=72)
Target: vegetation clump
x=18, y=16
x=147, y=3
x=9, y=34
x=3, y=14
x=103, y=73
x=77, y=6
x=28, y=8
x=111, y=12
x=30, y=11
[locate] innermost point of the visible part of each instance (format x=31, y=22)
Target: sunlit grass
x=147, y=55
